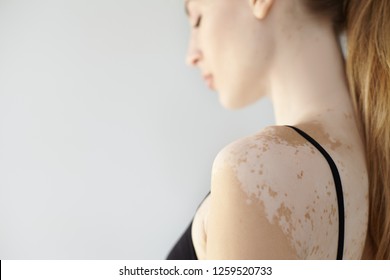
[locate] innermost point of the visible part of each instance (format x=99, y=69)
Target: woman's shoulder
x=276, y=172
x=272, y=164
x=274, y=149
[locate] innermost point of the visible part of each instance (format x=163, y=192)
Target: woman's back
x=286, y=179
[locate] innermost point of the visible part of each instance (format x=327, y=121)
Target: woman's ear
x=260, y=8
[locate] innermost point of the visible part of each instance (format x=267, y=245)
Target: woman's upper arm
x=237, y=224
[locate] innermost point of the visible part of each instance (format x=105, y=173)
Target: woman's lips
x=209, y=81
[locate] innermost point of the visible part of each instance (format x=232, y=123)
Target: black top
x=184, y=248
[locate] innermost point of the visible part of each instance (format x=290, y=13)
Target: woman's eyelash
x=198, y=22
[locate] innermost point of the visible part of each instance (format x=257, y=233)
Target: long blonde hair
x=367, y=25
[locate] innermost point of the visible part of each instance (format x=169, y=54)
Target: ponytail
x=368, y=72
x=367, y=26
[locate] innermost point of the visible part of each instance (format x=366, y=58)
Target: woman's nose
x=193, y=54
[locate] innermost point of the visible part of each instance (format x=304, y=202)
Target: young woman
x=316, y=185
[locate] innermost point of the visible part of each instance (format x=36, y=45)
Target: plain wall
x=107, y=138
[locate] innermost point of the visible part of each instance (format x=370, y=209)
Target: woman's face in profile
x=228, y=47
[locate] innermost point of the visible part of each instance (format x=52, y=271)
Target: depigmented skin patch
x=307, y=206
x=317, y=132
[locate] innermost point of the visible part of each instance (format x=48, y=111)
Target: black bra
x=184, y=248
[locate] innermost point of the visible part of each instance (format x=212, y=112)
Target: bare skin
x=272, y=193
x=301, y=201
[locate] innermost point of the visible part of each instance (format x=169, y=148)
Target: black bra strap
x=339, y=189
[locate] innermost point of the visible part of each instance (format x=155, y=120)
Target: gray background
x=107, y=138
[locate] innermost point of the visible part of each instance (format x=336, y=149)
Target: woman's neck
x=308, y=77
